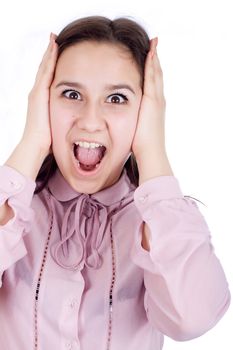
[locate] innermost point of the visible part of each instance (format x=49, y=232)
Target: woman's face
x=86, y=105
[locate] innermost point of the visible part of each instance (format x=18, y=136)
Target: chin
x=86, y=187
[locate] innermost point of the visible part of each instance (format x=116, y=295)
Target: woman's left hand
x=149, y=140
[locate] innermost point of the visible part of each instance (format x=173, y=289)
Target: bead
x=38, y=286
x=111, y=290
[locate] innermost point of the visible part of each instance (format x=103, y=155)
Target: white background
x=196, y=55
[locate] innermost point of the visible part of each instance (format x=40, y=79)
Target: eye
x=71, y=94
x=118, y=98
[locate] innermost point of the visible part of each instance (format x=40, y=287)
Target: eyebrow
x=108, y=87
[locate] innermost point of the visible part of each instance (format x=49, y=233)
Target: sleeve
x=18, y=191
x=186, y=292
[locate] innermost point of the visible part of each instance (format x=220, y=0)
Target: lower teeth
x=87, y=170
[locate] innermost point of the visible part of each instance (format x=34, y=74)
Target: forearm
x=189, y=294
x=152, y=165
x=6, y=213
x=27, y=158
x=182, y=274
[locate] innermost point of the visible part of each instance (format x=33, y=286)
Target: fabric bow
x=82, y=232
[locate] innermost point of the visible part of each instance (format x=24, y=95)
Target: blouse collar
x=85, y=220
x=63, y=192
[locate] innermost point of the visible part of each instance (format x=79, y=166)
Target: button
x=72, y=345
x=142, y=199
x=69, y=345
x=73, y=303
x=15, y=184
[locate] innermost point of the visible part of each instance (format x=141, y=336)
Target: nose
x=90, y=118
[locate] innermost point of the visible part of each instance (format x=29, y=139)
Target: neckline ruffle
x=62, y=191
x=86, y=220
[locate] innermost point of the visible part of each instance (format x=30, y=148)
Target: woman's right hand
x=37, y=129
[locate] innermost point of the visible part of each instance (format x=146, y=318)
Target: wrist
x=35, y=141
x=27, y=158
x=153, y=165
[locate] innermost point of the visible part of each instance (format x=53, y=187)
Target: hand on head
x=37, y=128
x=149, y=135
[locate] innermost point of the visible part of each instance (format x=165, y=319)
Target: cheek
x=123, y=128
x=124, y=122
x=131, y=121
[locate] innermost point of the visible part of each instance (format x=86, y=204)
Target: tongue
x=89, y=156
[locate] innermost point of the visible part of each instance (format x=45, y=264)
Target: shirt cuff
x=155, y=190
x=14, y=184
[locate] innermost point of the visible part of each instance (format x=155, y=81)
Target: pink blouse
x=75, y=276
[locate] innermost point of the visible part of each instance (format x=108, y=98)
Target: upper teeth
x=88, y=144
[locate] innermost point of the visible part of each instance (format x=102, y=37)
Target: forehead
x=97, y=60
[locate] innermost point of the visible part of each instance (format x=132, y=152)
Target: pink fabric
x=177, y=289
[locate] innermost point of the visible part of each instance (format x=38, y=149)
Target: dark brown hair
x=120, y=31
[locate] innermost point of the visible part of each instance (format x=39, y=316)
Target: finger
x=153, y=79
x=48, y=63
x=153, y=45
x=156, y=59
x=48, y=50
x=49, y=54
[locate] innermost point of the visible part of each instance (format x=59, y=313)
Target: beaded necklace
x=45, y=254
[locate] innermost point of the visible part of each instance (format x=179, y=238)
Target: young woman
x=99, y=248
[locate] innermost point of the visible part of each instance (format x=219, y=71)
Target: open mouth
x=89, y=158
